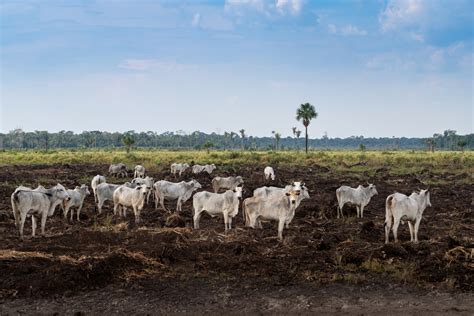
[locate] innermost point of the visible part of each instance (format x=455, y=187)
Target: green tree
x=462, y=143
x=128, y=141
x=305, y=113
x=207, y=146
x=242, y=135
x=277, y=140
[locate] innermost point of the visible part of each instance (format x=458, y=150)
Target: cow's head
x=426, y=195
x=85, y=188
x=239, y=179
x=296, y=185
x=372, y=189
x=61, y=192
x=196, y=184
x=238, y=192
x=293, y=196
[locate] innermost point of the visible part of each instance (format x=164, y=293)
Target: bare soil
x=108, y=264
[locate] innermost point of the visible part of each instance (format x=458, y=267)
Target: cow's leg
x=178, y=205
x=259, y=223
x=230, y=222
x=417, y=226
x=226, y=219
x=100, y=203
x=281, y=224
x=33, y=225
x=79, y=211
x=137, y=214
x=396, y=222
x=116, y=209
x=388, y=225
x=410, y=225
x=358, y=211
x=196, y=218
x=44, y=216
x=72, y=214
x=22, y=223
x=362, y=211
x=162, y=203
x=95, y=195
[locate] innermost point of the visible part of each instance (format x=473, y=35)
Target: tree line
x=43, y=140
x=305, y=113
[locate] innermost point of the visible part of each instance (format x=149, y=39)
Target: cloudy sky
x=372, y=68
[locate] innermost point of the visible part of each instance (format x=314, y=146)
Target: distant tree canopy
x=19, y=139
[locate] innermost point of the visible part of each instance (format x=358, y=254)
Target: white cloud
x=400, y=13
x=293, y=6
x=351, y=30
x=152, y=64
x=417, y=37
x=348, y=30
x=196, y=20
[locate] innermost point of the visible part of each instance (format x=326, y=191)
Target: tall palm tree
x=305, y=113
x=128, y=141
x=277, y=139
x=242, y=134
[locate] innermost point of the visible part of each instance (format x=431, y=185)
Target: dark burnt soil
x=320, y=257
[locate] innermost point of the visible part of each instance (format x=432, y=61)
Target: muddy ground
x=108, y=264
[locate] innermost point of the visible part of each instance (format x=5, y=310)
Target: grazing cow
x=178, y=168
x=125, y=197
x=279, y=206
x=148, y=181
x=209, y=168
x=359, y=197
x=117, y=170
x=181, y=191
x=139, y=171
x=198, y=169
x=76, y=200
x=272, y=191
x=98, y=179
x=105, y=192
x=268, y=173
x=35, y=203
x=229, y=183
x=215, y=204
x=399, y=207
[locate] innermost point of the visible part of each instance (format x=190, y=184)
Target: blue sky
x=372, y=68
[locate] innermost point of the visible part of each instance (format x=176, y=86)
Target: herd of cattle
x=268, y=203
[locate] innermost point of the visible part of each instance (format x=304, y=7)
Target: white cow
x=76, y=200
x=229, y=183
x=98, y=179
x=209, y=168
x=198, y=169
x=360, y=197
x=125, y=197
x=399, y=207
x=139, y=171
x=179, y=168
x=272, y=191
x=148, y=181
x=170, y=191
x=225, y=204
x=35, y=203
x=279, y=207
x=117, y=170
x=105, y=192
x=268, y=173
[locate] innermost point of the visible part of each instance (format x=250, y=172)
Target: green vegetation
x=349, y=162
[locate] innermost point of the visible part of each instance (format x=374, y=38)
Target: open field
x=107, y=264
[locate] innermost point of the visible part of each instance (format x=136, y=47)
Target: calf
x=76, y=200
x=105, y=192
x=197, y=169
x=118, y=170
x=35, y=203
x=134, y=198
x=139, y=171
x=399, y=207
x=268, y=173
x=170, y=191
x=229, y=183
x=148, y=182
x=98, y=179
x=279, y=207
x=360, y=197
x=215, y=204
x=178, y=168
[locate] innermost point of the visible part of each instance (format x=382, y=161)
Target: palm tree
x=277, y=139
x=242, y=134
x=207, y=146
x=128, y=141
x=462, y=143
x=305, y=113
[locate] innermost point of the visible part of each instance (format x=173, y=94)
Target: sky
x=372, y=68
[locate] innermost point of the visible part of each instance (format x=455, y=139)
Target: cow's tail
x=389, y=205
x=15, y=209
